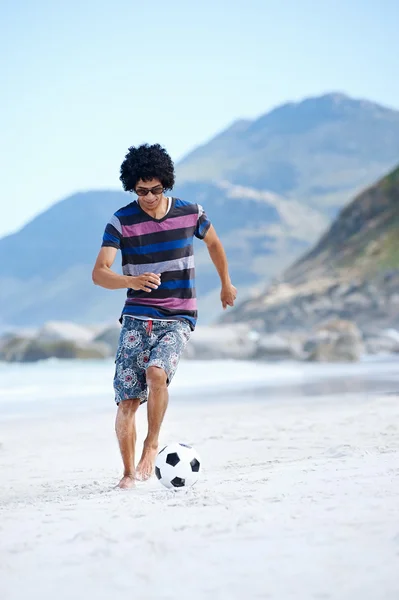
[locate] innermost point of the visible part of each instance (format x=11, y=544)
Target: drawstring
x=149, y=327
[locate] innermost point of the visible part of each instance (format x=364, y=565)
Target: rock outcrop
x=56, y=339
x=352, y=273
x=19, y=349
x=335, y=341
x=218, y=342
x=109, y=336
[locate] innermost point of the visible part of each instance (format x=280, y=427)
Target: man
x=155, y=235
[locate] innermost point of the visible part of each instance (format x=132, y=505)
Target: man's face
x=150, y=193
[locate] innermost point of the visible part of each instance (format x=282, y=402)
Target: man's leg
x=125, y=427
x=156, y=407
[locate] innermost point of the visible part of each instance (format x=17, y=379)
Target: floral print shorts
x=144, y=344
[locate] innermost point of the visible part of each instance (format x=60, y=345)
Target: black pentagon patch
x=158, y=472
x=184, y=445
x=195, y=466
x=162, y=450
x=178, y=482
x=172, y=459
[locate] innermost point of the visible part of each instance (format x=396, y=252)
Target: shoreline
x=79, y=385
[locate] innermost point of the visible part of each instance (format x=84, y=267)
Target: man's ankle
x=151, y=444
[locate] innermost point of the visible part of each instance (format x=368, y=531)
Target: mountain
x=352, y=272
x=270, y=186
x=45, y=269
x=320, y=151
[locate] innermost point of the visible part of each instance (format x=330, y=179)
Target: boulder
x=337, y=340
x=110, y=336
x=222, y=341
x=385, y=341
x=64, y=330
x=278, y=347
x=13, y=347
x=19, y=349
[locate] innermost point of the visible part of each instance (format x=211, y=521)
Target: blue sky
x=82, y=81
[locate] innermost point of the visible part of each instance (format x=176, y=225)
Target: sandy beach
x=299, y=497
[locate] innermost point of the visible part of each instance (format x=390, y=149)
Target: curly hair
x=147, y=162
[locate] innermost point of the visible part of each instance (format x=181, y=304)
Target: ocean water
x=78, y=385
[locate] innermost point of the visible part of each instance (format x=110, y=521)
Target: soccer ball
x=177, y=466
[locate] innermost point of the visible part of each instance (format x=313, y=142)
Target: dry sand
x=299, y=499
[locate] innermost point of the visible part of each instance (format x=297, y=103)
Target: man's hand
x=145, y=282
x=104, y=276
x=228, y=295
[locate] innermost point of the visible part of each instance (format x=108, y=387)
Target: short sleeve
x=113, y=233
x=203, y=223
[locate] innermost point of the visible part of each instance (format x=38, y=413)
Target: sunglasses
x=158, y=189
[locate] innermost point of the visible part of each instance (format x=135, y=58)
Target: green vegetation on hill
x=363, y=240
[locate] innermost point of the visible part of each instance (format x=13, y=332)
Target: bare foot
x=126, y=482
x=145, y=468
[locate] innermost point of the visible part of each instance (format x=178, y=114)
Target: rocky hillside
x=320, y=151
x=352, y=272
x=363, y=240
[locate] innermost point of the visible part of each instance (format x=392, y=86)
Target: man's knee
x=156, y=377
x=128, y=407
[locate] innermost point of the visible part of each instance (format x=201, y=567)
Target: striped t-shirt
x=161, y=246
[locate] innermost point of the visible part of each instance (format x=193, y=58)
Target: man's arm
x=104, y=276
x=219, y=259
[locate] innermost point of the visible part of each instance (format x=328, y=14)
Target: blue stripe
x=158, y=247
x=108, y=237
x=128, y=210
x=203, y=228
x=179, y=203
x=177, y=285
x=148, y=311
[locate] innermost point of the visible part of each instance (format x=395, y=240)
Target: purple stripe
x=153, y=226
x=176, y=303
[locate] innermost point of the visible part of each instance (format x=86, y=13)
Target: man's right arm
x=103, y=275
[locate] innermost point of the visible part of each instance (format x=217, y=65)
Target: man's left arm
x=219, y=259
